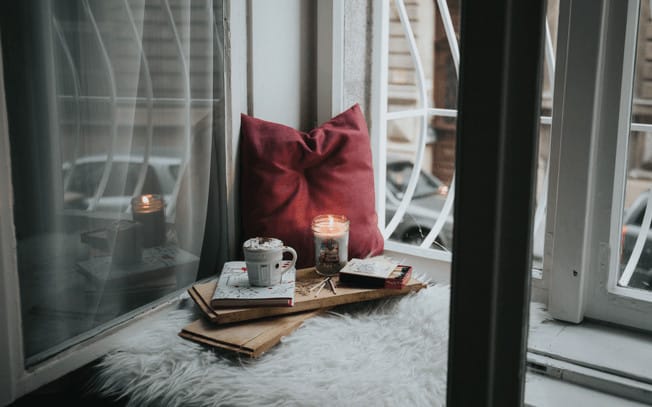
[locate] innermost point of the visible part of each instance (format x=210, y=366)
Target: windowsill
x=592, y=354
x=572, y=359
x=543, y=391
x=591, y=344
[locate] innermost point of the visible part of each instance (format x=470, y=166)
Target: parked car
x=160, y=178
x=632, y=220
x=427, y=202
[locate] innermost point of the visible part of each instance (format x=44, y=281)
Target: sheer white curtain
x=112, y=121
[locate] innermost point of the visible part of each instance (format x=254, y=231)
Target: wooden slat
x=402, y=77
x=399, y=45
x=400, y=61
x=412, y=12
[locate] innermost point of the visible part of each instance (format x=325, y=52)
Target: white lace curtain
x=109, y=102
x=135, y=94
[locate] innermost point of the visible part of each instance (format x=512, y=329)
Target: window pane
x=539, y=222
x=422, y=88
x=636, y=252
x=108, y=102
x=422, y=77
x=543, y=168
x=427, y=200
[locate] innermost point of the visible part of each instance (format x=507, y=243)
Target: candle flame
x=331, y=221
x=145, y=200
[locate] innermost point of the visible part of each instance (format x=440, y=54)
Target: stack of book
x=250, y=320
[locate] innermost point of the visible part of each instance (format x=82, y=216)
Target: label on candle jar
x=329, y=252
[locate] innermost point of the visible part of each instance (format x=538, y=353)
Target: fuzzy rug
x=390, y=352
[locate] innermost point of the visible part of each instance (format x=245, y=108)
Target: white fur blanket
x=391, y=352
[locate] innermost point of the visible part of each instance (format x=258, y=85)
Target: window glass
x=421, y=123
x=398, y=174
x=422, y=77
x=108, y=103
x=635, y=270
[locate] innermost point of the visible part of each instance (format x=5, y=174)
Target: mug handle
x=290, y=250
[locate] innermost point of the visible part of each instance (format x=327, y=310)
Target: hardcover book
x=251, y=338
x=398, y=278
x=233, y=289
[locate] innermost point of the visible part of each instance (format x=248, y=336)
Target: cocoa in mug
x=264, y=259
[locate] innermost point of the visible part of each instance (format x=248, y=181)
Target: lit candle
x=149, y=210
x=331, y=234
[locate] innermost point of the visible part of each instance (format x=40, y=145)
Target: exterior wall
x=445, y=96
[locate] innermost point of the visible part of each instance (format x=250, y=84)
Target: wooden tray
x=304, y=299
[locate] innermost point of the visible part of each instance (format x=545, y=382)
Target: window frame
x=378, y=130
x=597, y=41
x=11, y=347
x=19, y=380
x=380, y=116
x=590, y=248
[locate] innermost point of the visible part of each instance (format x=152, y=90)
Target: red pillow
x=288, y=177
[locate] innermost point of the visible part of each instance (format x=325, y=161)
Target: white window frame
x=579, y=246
x=591, y=126
x=378, y=128
x=17, y=380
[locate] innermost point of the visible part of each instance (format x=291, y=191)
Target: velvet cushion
x=288, y=177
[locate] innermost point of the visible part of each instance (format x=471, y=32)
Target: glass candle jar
x=125, y=240
x=331, y=233
x=149, y=210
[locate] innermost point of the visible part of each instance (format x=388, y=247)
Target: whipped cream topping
x=262, y=243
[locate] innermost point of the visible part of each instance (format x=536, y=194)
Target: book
x=397, y=279
x=375, y=272
x=248, y=338
x=305, y=299
x=163, y=264
x=379, y=266
x=233, y=289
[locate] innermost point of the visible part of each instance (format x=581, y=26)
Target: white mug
x=264, y=259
